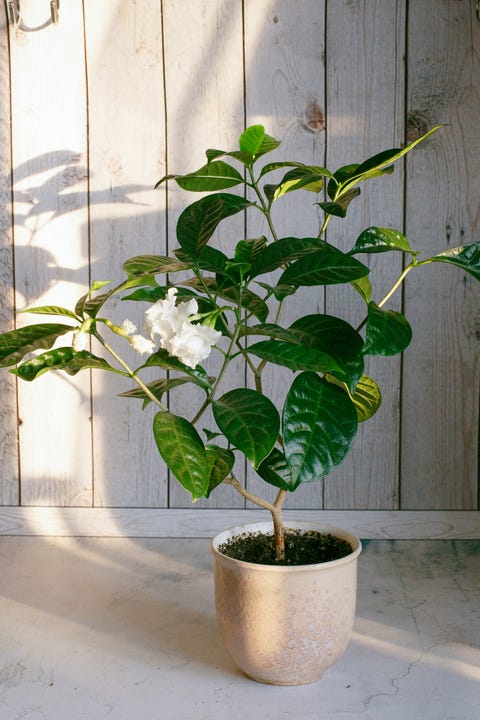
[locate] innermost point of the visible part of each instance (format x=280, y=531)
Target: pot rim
x=296, y=525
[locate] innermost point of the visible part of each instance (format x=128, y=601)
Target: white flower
x=165, y=319
x=141, y=344
x=193, y=343
x=128, y=327
x=138, y=342
x=80, y=341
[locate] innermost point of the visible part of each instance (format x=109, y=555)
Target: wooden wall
x=94, y=110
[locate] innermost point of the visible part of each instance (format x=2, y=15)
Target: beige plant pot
x=285, y=625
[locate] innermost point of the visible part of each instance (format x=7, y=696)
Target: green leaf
x=270, y=167
x=293, y=356
x=52, y=310
x=466, y=257
x=63, y=358
x=326, y=266
x=280, y=292
x=181, y=447
x=339, y=207
x=14, y=345
x=215, y=175
x=198, y=221
x=308, y=177
x=281, y=252
x=376, y=239
x=220, y=462
x=387, y=333
x=363, y=286
x=249, y=421
x=153, y=265
x=159, y=388
x=366, y=396
x=96, y=285
x=319, y=426
x=247, y=250
x=249, y=300
x=245, y=158
x=338, y=339
x=251, y=139
x=276, y=471
x=162, y=359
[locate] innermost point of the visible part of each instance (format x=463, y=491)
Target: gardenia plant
x=232, y=307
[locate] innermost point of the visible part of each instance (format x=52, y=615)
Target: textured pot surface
x=285, y=625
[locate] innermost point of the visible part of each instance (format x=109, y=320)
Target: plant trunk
x=278, y=534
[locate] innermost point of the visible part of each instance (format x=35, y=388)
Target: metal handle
x=15, y=16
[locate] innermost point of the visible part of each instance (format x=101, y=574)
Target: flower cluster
x=178, y=335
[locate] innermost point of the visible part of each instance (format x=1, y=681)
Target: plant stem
x=397, y=283
x=131, y=373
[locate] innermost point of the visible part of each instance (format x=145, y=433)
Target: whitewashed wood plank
x=440, y=391
x=127, y=157
x=205, y=108
x=365, y=89
x=284, y=50
x=203, y=523
x=50, y=205
x=9, y=480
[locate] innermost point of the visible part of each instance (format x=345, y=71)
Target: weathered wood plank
x=127, y=156
x=284, y=61
x=440, y=391
x=9, y=481
x=203, y=523
x=365, y=101
x=205, y=108
x=50, y=205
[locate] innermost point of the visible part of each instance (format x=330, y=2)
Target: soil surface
x=301, y=548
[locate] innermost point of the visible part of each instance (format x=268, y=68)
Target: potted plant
x=233, y=305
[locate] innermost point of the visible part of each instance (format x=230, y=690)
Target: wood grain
x=127, y=218
x=9, y=482
x=51, y=260
x=441, y=370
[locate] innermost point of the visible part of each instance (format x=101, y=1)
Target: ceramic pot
x=285, y=625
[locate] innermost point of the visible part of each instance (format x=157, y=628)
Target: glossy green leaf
x=366, y=397
x=220, y=462
x=14, y=345
x=52, y=310
x=182, y=449
x=198, y=221
x=280, y=292
x=247, y=250
x=162, y=359
x=387, y=333
x=245, y=158
x=319, y=425
x=326, y=266
x=308, y=177
x=276, y=471
x=339, y=207
x=281, y=252
x=270, y=167
x=293, y=356
x=63, y=358
x=153, y=265
x=249, y=421
x=376, y=239
x=248, y=300
x=336, y=337
x=466, y=257
x=215, y=175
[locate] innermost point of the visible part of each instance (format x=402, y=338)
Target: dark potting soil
x=301, y=548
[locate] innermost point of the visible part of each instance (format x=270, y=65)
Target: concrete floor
x=124, y=629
